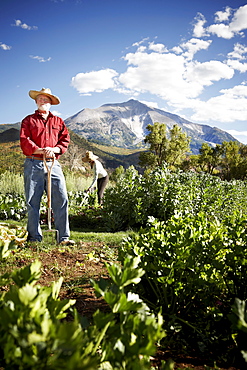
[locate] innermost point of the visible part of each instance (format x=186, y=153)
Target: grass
x=11, y=183
x=91, y=248
x=14, y=182
x=114, y=239
x=118, y=150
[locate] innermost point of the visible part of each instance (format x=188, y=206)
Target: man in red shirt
x=43, y=134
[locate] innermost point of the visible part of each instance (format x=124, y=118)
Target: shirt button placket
x=47, y=135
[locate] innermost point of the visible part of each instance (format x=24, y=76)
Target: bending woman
x=100, y=174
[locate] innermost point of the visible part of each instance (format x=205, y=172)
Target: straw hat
x=89, y=157
x=45, y=91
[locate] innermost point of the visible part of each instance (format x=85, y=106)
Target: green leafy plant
x=130, y=329
x=238, y=317
x=195, y=267
x=163, y=193
x=12, y=206
x=34, y=334
x=11, y=237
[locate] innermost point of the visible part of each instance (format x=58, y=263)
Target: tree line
x=227, y=160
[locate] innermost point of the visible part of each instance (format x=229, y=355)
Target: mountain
x=7, y=126
x=115, y=132
x=124, y=125
x=9, y=135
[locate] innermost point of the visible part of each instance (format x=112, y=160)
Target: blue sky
x=185, y=57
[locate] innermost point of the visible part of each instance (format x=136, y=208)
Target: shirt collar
x=37, y=112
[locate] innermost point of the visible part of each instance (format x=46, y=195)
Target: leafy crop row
x=195, y=269
x=34, y=334
x=135, y=198
x=13, y=205
x=162, y=193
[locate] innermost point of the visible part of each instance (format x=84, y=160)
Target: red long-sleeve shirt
x=35, y=133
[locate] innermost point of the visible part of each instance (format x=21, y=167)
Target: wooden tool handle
x=49, y=188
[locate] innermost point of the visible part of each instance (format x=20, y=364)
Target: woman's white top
x=99, y=172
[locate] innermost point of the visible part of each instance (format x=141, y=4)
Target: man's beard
x=44, y=107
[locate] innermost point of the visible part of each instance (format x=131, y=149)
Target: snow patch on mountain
x=135, y=124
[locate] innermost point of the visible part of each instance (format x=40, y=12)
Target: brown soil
x=77, y=269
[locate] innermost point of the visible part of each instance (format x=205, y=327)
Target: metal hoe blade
x=51, y=234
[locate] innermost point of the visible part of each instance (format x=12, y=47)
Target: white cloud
x=18, y=23
x=179, y=78
x=237, y=65
x=40, y=59
x=56, y=113
x=222, y=16
x=180, y=82
x=199, y=30
x=151, y=104
x=238, y=51
x=159, y=48
x=238, y=91
x=238, y=23
x=138, y=43
x=177, y=50
x=239, y=135
x=159, y=74
x=207, y=72
x=230, y=106
x=4, y=46
x=141, y=49
x=95, y=81
x=236, y=57
x=193, y=46
x=227, y=23
x=171, y=76
x=221, y=30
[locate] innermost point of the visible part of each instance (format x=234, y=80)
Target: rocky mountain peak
x=124, y=125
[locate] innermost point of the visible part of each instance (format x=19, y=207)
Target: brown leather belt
x=39, y=158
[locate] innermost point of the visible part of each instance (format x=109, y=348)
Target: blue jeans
x=35, y=181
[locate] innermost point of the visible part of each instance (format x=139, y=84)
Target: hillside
x=112, y=157
x=9, y=135
x=11, y=157
x=8, y=126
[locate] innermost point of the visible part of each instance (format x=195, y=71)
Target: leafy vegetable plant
x=34, y=334
x=195, y=267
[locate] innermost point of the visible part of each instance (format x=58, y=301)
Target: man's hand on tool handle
x=48, y=151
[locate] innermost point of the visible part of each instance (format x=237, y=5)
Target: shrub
x=195, y=268
x=162, y=193
x=34, y=334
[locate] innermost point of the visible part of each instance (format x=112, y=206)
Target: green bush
x=162, y=193
x=195, y=268
x=34, y=334
x=238, y=318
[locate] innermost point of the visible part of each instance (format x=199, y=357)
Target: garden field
x=157, y=273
